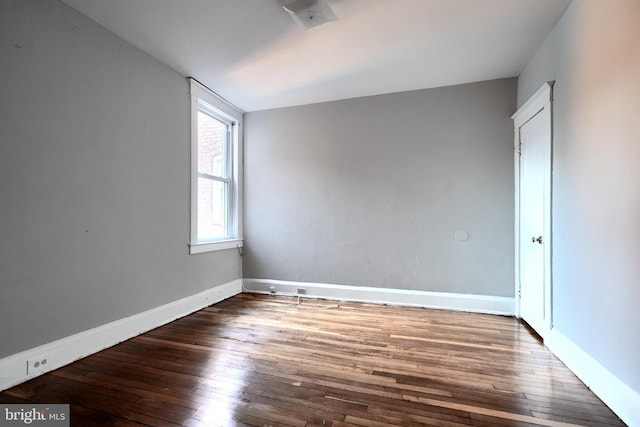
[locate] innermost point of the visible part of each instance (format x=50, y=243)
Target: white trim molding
x=540, y=102
x=13, y=369
x=216, y=246
x=542, y=97
x=400, y=297
x=617, y=395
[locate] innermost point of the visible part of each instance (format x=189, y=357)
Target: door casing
x=540, y=102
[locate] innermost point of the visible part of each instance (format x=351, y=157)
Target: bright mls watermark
x=34, y=415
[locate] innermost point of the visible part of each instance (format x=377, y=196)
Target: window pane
x=212, y=145
x=212, y=210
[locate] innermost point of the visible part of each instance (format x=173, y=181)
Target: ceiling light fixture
x=310, y=13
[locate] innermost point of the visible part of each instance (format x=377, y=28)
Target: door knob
x=536, y=239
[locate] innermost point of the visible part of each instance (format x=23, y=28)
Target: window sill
x=214, y=246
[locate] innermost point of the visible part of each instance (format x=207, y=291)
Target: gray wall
x=94, y=179
x=593, y=56
x=370, y=191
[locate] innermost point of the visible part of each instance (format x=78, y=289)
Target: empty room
x=319, y=212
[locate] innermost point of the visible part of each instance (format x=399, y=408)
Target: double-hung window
x=216, y=149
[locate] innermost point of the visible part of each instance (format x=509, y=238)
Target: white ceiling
x=253, y=54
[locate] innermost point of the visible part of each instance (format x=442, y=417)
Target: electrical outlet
x=272, y=290
x=36, y=364
x=302, y=291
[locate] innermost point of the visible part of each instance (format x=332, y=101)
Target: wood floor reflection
x=265, y=361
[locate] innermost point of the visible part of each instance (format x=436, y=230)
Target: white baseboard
x=13, y=369
x=622, y=399
x=401, y=297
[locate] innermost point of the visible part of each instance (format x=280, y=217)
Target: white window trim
x=235, y=116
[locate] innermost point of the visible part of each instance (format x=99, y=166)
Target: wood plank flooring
x=265, y=361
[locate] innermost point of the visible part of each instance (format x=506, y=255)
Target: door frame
x=539, y=103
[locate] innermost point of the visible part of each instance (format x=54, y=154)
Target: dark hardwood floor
x=263, y=361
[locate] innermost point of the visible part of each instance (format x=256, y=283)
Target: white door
x=533, y=138
x=534, y=143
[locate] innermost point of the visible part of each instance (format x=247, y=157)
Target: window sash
x=226, y=136
x=213, y=219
